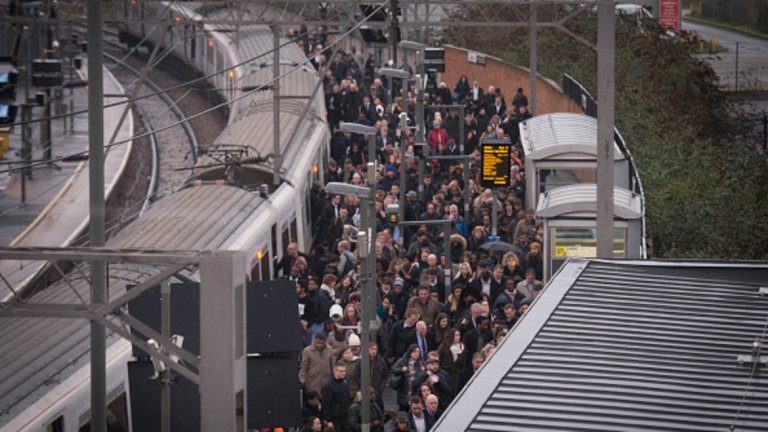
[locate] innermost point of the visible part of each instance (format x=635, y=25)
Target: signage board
x=669, y=14
x=495, y=163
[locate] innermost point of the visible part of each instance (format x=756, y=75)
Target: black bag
x=394, y=381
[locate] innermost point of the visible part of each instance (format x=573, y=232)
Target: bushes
x=706, y=188
x=753, y=13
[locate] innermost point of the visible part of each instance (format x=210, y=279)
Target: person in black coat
x=402, y=336
x=289, y=259
x=476, y=338
x=467, y=374
x=437, y=379
x=335, y=398
x=417, y=412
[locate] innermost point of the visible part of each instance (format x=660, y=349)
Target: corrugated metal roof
x=582, y=197
x=549, y=135
x=621, y=346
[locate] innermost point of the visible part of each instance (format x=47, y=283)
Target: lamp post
x=365, y=249
x=421, y=80
x=361, y=129
x=403, y=75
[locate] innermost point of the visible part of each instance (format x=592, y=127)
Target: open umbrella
x=499, y=246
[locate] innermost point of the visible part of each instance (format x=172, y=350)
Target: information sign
x=669, y=14
x=495, y=163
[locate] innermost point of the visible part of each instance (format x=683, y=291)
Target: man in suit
x=420, y=422
x=497, y=107
x=476, y=338
x=424, y=340
x=433, y=406
x=476, y=92
x=467, y=374
x=367, y=109
x=488, y=285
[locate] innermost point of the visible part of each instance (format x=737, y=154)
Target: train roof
x=36, y=354
x=628, y=345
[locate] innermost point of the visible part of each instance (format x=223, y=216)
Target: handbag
x=394, y=381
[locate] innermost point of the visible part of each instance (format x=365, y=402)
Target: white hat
x=354, y=340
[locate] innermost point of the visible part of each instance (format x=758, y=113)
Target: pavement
x=69, y=136
x=750, y=72
x=51, y=208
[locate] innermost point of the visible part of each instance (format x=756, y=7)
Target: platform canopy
x=561, y=135
x=582, y=198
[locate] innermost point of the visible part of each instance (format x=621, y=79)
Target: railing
x=579, y=94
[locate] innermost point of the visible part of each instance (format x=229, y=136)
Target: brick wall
x=509, y=77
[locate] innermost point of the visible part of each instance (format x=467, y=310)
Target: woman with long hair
x=404, y=370
x=453, y=357
x=440, y=328
x=461, y=89
x=512, y=267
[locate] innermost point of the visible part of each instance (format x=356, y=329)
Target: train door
x=260, y=270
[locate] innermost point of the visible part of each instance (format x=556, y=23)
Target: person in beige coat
x=316, y=364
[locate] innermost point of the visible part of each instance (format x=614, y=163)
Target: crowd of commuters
x=431, y=338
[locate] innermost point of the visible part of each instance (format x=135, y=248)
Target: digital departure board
x=495, y=163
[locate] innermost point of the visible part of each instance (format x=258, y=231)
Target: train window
x=294, y=234
x=265, y=266
x=117, y=412
x=286, y=240
x=56, y=425
x=256, y=271
x=307, y=212
x=274, y=238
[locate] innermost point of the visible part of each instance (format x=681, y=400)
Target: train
x=229, y=202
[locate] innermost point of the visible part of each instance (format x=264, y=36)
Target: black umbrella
x=499, y=246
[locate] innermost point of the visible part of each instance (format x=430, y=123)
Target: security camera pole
x=365, y=249
x=420, y=85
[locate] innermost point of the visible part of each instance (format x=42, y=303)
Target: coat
x=316, y=368
x=336, y=402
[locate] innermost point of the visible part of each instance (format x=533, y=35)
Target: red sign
x=669, y=14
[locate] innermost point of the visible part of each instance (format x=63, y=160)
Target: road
x=752, y=57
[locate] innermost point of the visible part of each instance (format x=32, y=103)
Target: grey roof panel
x=551, y=135
x=625, y=345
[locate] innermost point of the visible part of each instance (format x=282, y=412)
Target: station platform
x=55, y=212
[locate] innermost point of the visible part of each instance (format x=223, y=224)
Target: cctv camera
x=336, y=312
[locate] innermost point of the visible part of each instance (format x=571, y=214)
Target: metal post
x=606, y=47
x=462, y=132
x=46, y=136
x=369, y=287
x=393, y=37
x=534, y=58
x=467, y=206
x=71, y=113
x=448, y=262
x=276, y=103
x=26, y=149
x=420, y=123
x=96, y=197
x=736, y=76
x=223, y=401
x=365, y=339
x=495, y=213
x=403, y=173
x=165, y=378
x=372, y=154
